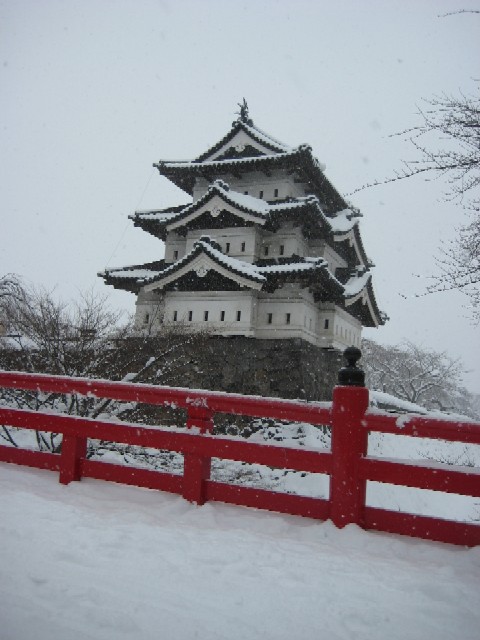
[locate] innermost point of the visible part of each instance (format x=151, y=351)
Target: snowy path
x=107, y=562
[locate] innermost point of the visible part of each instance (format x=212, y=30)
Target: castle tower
x=265, y=248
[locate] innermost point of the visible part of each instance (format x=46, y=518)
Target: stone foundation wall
x=288, y=368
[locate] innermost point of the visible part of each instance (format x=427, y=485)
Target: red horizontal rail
x=36, y=459
x=270, y=500
x=347, y=464
x=176, y=397
x=463, y=481
x=420, y=427
x=203, y=445
x=407, y=524
x=132, y=475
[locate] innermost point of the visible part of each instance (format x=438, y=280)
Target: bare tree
x=415, y=374
x=83, y=338
x=447, y=144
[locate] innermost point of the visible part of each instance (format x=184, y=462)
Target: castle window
x=261, y=194
x=190, y=316
x=175, y=316
x=175, y=255
x=227, y=248
x=146, y=319
x=326, y=323
x=245, y=193
x=205, y=315
x=222, y=316
x=287, y=318
x=269, y=318
x=265, y=251
x=275, y=193
x=282, y=249
x=239, y=315
x=243, y=247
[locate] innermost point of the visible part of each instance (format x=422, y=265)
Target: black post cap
x=351, y=375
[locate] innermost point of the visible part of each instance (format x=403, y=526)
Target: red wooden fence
x=348, y=463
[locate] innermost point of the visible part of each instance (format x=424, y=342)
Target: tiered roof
x=246, y=148
x=184, y=174
x=206, y=258
x=220, y=202
x=323, y=214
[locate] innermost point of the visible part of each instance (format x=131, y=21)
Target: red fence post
x=74, y=449
x=196, y=468
x=349, y=444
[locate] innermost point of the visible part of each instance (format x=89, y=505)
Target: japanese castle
x=264, y=248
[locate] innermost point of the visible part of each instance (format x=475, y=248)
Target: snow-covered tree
x=429, y=378
x=83, y=338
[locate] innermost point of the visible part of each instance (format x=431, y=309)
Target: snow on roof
x=258, y=204
x=356, y=284
x=131, y=274
x=343, y=221
x=158, y=216
x=236, y=265
x=245, y=124
x=180, y=164
x=254, y=272
x=244, y=268
x=262, y=136
x=308, y=265
x=244, y=201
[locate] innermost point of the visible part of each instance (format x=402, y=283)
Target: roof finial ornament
x=243, y=113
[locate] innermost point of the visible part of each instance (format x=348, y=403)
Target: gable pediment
x=193, y=272
x=212, y=211
x=244, y=140
x=241, y=145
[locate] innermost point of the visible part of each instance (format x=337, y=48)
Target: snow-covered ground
x=301, y=435
x=98, y=561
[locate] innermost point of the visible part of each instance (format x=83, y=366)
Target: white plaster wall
x=174, y=242
x=255, y=182
x=307, y=320
x=290, y=237
x=231, y=302
x=347, y=330
x=149, y=311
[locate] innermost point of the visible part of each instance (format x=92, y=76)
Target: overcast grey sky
x=94, y=91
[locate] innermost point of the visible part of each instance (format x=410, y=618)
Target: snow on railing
x=347, y=463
